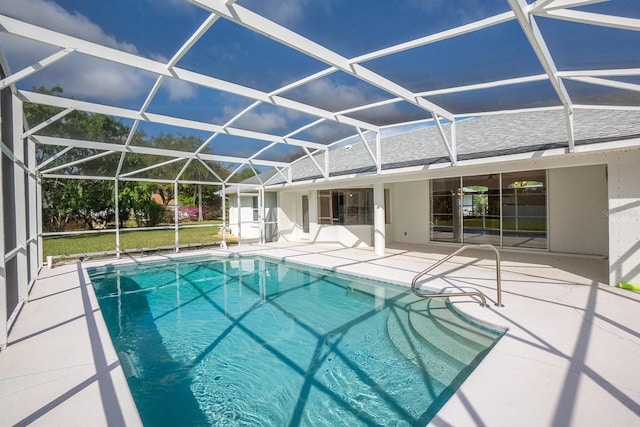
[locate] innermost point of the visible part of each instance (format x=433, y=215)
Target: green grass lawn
x=129, y=240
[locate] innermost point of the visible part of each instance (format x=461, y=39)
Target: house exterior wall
x=290, y=216
x=290, y=223
x=347, y=235
x=577, y=210
x=410, y=211
x=624, y=217
x=248, y=229
x=593, y=207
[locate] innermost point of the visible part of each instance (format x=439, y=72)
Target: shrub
x=156, y=213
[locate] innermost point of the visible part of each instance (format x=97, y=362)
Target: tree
x=75, y=125
x=89, y=201
x=245, y=174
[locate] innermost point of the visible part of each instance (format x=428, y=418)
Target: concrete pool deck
x=568, y=358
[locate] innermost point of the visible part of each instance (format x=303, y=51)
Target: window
x=387, y=206
x=305, y=214
x=346, y=207
x=254, y=205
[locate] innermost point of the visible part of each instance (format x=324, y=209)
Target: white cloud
x=470, y=10
x=179, y=90
x=285, y=12
x=103, y=81
x=332, y=96
x=268, y=122
x=384, y=113
x=80, y=76
x=182, y=6
x=327, y=132
x=49, y=15
x=262, y=122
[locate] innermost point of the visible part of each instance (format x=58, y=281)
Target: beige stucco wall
x=410, y=211
x=577, y=200
x=623, y=213
x=290, y=216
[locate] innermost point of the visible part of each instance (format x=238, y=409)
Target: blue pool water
x=247, y=341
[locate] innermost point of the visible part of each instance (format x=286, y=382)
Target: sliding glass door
x=481, y=209
x=507, y=209
x=524, y=209
x=446, y=198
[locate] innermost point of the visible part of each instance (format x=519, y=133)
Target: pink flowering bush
x=190, y=213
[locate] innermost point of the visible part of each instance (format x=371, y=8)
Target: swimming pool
x=250, y=341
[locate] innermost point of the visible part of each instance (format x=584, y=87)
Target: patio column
x=20, y=196
x=378, y=218
x=239, y=215
x=116, y=198
x=35, y=256
x=3, y=277
x=224, y=217
x=176, y=247
x=261, y=216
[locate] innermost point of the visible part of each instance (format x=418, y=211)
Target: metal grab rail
x=477, y=293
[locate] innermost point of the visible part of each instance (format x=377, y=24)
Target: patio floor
x=568, y=358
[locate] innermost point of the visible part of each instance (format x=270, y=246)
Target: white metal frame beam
x=525, y=14
x=47, y=122
x=78, y=162
x=22, y=29
x=620, y=72
x=607, y=82
x=4, y=327
x=324, y=172
x=561, y=4
x=148, y=168
x=54, y=157
x=451, y=148
x=376, y=159
x=619, y=22
x=26, y=72
x=40, y=98
x=105, y=146
x=270, y=29
x=278, y=172
x=494, y=84
x=210, y=169
x=532, y=32
x=437, y=37
x=211, y=19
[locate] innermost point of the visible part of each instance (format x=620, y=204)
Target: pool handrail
x=466, y=293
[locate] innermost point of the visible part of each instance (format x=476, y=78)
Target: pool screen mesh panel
x=269, y=84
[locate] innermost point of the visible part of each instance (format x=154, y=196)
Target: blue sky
x=157, y=28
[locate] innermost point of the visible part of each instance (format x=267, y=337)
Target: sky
x=156, y=29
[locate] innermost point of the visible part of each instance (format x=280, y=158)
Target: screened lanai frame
x=388, y=91
x=374, y=62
